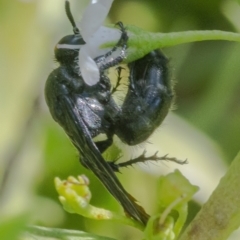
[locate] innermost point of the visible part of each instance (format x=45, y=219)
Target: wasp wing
x=81, y=138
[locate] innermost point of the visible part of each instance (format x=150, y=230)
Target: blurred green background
x=34, y=149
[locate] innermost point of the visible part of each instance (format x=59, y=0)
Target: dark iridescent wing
x=81, y=138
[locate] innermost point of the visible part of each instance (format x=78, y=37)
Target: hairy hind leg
x=143, y=159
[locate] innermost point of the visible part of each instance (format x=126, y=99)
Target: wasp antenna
x=70, y=17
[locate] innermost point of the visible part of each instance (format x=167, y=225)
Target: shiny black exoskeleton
x=85, y=111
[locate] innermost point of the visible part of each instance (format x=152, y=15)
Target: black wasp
x=85, y=111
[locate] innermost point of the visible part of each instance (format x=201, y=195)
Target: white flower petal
x=88, y=67
x=88, y=52
x=94, y=35
x=101, y=36
x=93, y=17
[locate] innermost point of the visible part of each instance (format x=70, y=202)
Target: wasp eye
x=71, y=42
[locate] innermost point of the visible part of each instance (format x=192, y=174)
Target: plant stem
x=220, y=216
x=142, y=42
x=58, y=233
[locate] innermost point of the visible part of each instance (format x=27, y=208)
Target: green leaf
x=142, y=42
x=174, y=192
x=155, y=231
x=175, y=185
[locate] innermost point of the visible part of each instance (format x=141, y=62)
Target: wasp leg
x=119, y=78
x=142, y=159
x=122, y=43
x=104, y=145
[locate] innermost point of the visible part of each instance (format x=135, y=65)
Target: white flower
x=94, y=34
x=94, y=16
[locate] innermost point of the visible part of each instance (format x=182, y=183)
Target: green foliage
x=33, y=150
x=142, y=42
x=177, y=192
x=11, y=228
x=220, y=215
x=60, y=234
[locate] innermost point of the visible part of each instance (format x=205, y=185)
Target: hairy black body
x=85, y=111
x=148, y=99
